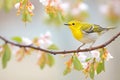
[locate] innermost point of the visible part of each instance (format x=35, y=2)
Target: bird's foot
x=78, y=49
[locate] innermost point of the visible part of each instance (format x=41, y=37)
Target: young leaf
x=50, y=60
x=87, y=59
x=103, y=65
x=17, y=39
x=68, y=66
x=66, y=71
x=6, y=56
x=102, y=51
x=26, y=17
x=92, y=72
x=42, y=61
x=100, y=67
x=53, y=47
x=77, y=64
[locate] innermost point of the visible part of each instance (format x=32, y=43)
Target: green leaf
x=26, y=16
x=8, y=5
x=101, y=67
x=42, y=61
x=88, y=59
x=92, y=72
x=51, y=15
x=77, y=64
x=53, y=47
x=50, y=60
x=17, y=39
x=6, y=56
x=66, y=71
x=102, y=51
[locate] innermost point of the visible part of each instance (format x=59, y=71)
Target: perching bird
x=86, y=32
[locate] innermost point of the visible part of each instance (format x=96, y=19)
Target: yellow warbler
x=85, y=32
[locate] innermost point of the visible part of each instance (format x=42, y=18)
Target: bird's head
x=73, y=24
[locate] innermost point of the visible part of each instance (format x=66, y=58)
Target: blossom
x=26, y=41
x=83, y=7
x=17, y=5
x=44, y=2
x=109, y=56
x=80, y=8
x=45, y=40
x=85, y=65
x=95, y=54
x=115, y=4
x=48, y=2
x=111, y=8
x=65, y=6
x=30, y=7
x=82, y=57
x=22, y=6
x=88, y=57
x=104, y=9
x=75, y=11
x=14, y=49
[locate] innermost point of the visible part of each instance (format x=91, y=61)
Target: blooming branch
x=25, y=7
x=64, y=51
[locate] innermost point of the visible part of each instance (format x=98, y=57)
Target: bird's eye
x=73, y=23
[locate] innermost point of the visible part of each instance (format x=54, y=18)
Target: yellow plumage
x=85, y=32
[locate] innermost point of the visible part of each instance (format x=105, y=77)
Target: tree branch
x=64, y=51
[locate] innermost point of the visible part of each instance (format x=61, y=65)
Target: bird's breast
x=77, y=34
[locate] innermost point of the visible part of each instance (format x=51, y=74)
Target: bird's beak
x=67, y=24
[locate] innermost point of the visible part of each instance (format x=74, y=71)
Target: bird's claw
x=77, y=51
x=79, y=47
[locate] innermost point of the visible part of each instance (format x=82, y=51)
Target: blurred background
x=12, y=25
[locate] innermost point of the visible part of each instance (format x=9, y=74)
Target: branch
x=65, y=51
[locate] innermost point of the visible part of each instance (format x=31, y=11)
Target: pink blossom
x=95, y=54
x=75, y=11
x=45, y=40
x=31, y=8
x=104, y=9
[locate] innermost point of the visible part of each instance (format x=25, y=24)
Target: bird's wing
x=90, y=29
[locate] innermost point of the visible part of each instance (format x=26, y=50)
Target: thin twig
x=63, y=51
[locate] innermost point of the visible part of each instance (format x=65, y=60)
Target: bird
x=86, y=32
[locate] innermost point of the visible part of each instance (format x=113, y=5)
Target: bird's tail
x=109, y=28
x=106, y=29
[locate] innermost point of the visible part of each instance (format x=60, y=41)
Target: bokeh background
x=11, y=25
